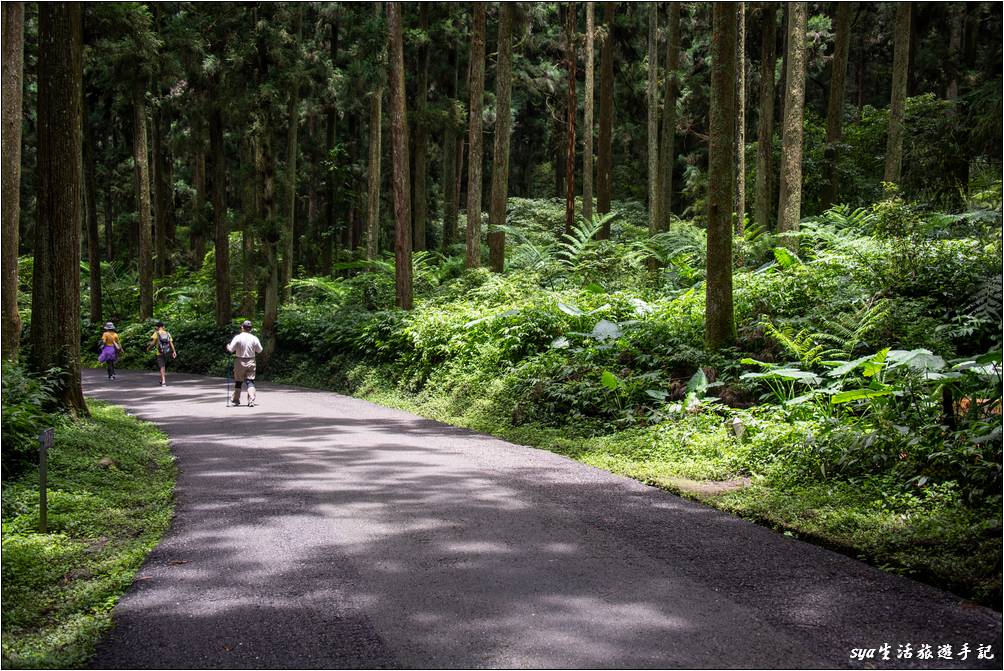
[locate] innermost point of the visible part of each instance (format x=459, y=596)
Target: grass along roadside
x=928, y=534
x=111, y=484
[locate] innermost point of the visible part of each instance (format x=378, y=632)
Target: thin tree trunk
x=901, y=55
x=141, y=158
x=198, y=226
x=13, y=73
x=270, y=239
x=421, y=199
x=835, y=104
x=503, y=128
x=571, y=107
x=957, y=18
x=109, y=232
x=330, y=234
x=474, y=162
x=740, y=199
x=91, y=215
x=220, y=228
x=667, y=152
x=306, y=254
x=790, y=199
x=652, y=99
x=604, y=158
x=450, y=205
x=720, y=327
x=765, y=118
x=292, y=149
x=587, y=118
x=162, y=194
x=399, y=151
x=55, y=298
x=250, y=203
x=373, y=178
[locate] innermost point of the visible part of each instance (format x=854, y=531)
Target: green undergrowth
x=110, y=499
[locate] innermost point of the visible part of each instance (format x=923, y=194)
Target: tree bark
x=251, y=206
x=587, y=118
x=198, y=226
x=399, y=150
x=604, y=158
x=476, y=89
x=91, y=216
x=667, y=154
x=740, y=198
x=292, y=150
x=720, y=327
x=901, y=58
x=421, y=198
x=270, y=238
x=503, y=128
x=957, y=19
x=13, y=73
x=161, y=194
x=373, y=178
x=55, y=298
x=835, y=104
x=652, y=98
x=450, y=163
x=330, y=234
x=220, y=228
x=765, y=118
x=141, y=158
x=571, y=107
x=790, y=199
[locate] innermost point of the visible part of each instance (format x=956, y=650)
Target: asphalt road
x=321, y=531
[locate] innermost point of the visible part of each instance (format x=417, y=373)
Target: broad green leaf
x=917, y=359
x=658, y=394
x=561, y=342
x=698, y=382
x=858, y=394
x=847, y=366
x=570, y=309
x=640, y=307
x=606, y=330
x=594, y=288
x=785, y=258
x=609, y=380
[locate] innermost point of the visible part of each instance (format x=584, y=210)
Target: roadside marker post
x=44, y=443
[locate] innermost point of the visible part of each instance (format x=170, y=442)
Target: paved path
x=320, y=531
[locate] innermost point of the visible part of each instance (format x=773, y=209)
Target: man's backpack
x=164, y=342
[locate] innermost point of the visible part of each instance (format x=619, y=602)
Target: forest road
x=321, y=531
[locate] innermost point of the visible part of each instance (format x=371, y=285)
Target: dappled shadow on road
x=321, y=531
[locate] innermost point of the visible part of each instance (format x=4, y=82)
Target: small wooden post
x=44, y=443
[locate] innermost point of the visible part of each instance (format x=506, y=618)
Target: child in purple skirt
x=110, y=349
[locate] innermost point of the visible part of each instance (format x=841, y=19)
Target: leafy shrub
x=25, y=398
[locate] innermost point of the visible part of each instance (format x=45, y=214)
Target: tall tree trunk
x=306, y=254
x=421, y=199
x=271, y=238
x=720, y=329
x=141, y=158
x=109, y=232
x=571, y=107
x=198, y=226
x=957, y=19
x=476, y=89
x=652, y=98
x=587, y=117
x=790, y=200
x=765, y=118
x=450, y=163
x=91, y=216
x=55, y=297
x=740, y=199
x=162, y=195
x=13, y=72
x=399, y=151
x=251, y=204
x=292, y=149
x=220, y=228
x=835, y=104
x=373, y=178
x=503, y=128
x=330, y=234
x=901, y=57
x=604, y=157
x=667, y=152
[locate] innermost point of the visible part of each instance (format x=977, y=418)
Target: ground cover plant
x=110, y=484
x=860, y=407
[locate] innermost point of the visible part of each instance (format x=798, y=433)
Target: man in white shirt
x=244, y=346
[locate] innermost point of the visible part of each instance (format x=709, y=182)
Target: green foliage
x=60, y=587
x=25, y=399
